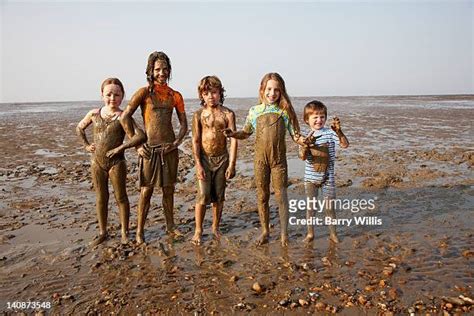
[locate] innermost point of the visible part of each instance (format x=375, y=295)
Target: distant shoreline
x=406, y=96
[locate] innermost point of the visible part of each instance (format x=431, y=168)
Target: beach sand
x=413, y=156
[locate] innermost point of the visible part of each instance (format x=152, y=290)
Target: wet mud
x=413, y=156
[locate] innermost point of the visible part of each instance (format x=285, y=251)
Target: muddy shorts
x=160, y=170
x=212, y=188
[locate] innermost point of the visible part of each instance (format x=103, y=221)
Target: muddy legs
x=262, y=180
x=311, y=191
x=216, y=219
x=118, y=176
x=168, y=207
x=200, y=212
x=143, y=207
x=100, y=178
x=280, y=179
x=332, y=228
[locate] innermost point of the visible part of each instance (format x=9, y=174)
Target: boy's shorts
x=212, y=188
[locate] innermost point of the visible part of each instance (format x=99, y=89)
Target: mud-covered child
x=214, y=163
x=270, y=120
x=320, y=156
x=108, y=158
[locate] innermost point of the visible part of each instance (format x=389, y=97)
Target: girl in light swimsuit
x=270, y=120
x=108, y=158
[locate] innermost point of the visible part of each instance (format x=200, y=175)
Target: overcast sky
x=61, y=51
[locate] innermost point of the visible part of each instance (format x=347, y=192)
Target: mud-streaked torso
x=107, y=135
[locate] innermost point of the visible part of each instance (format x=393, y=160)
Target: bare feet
x=98, y=240
x=309, y=238
x=263, y=239
x=175, y=233
x=217, y=234
x=196, y=238
x=124, y=239
x=284, y=240
x=140, y=238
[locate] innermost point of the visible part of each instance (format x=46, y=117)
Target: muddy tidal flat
x=412, y=253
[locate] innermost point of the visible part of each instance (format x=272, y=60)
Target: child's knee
x=281, y=193
x=263, y=197
x=121, y=198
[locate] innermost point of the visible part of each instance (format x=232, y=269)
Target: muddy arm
x=303, y=152
x=230, y=173
x=336, y=127
x=81, y=130
x=196, y=131
x=197, y=134
x=126, y=118
x=236, y=134
x=135, y=137
x=233, y=141
x=305, y=142
x=183, y=130
x=342, y=139
x=296, y=135
x=299, y=139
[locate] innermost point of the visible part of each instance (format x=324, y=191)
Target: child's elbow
x=78, y=130
x=141, y=136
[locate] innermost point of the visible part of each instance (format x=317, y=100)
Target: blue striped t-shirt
x=328, y=137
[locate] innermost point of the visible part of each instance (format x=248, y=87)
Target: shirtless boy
x=214, y=165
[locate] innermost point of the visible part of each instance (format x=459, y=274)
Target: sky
x=63, y=50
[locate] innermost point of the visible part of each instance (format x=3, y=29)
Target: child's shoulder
x=92, y=113
x=257, y=108
x=142, y=90
x=226, y=110
x=141, y=93
x=198, y=112
x=95, y=111
x=174, y=92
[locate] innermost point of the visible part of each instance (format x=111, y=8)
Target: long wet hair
x=112, y=81
x=208, y=83
x=151, y=65
x=284, y=103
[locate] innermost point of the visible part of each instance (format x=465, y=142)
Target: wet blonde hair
x=284, y=103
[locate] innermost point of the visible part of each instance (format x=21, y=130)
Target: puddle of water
x=47, y=153
x=37, y=234
x=295, y=168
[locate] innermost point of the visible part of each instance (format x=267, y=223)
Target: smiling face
x=316, y=120
x=112, y=95
x=212, y=97
x=272, y=92
x=161, y=72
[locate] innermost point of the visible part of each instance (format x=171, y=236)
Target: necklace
x=110, y=116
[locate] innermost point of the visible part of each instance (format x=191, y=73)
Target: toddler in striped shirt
x=319, y=160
